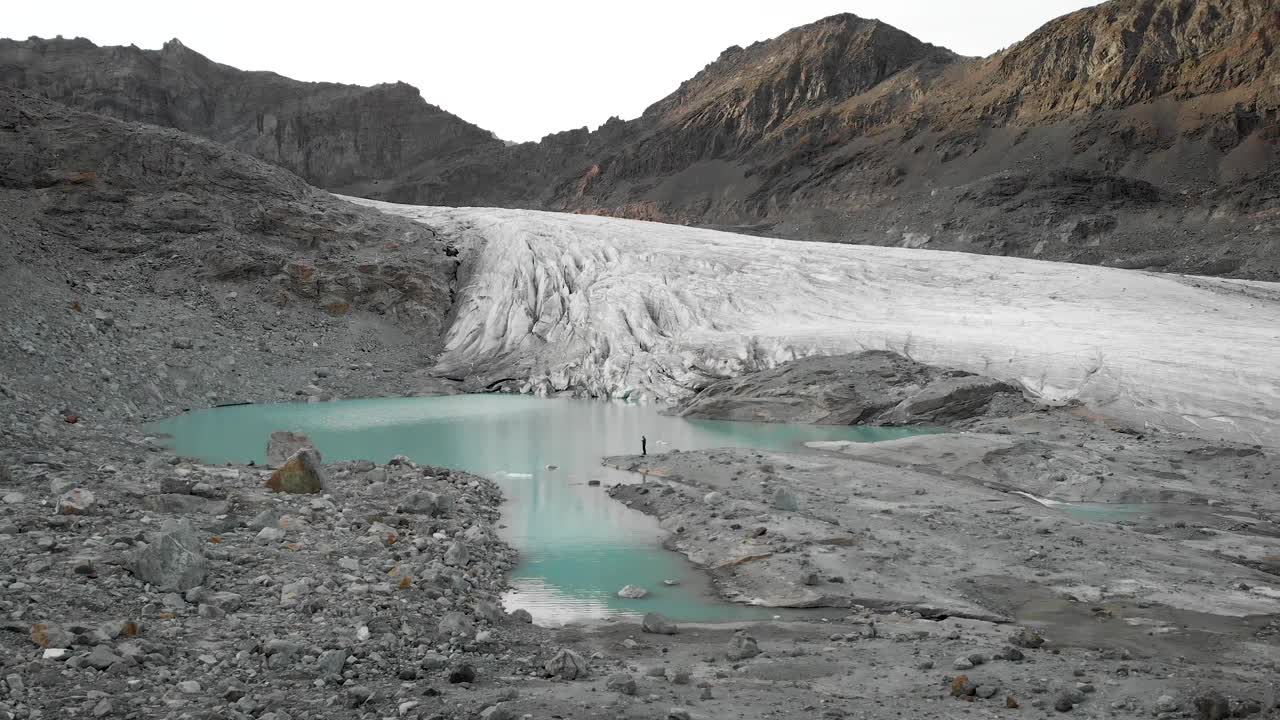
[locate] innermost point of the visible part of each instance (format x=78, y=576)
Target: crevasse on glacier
x=604, y=307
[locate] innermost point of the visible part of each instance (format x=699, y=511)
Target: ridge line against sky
x=520, y=69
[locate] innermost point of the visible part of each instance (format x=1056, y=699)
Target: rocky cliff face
x=1137, y=133
x=332, y=135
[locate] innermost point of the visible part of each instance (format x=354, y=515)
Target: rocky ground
x=999, y=523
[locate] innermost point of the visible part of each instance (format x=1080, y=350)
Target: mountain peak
x=830, y=59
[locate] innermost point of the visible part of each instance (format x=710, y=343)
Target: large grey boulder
x=741, y=647
x=173, y=561
x=658, y=624
x=422, y=502
x=283, y=444
x=567, y=665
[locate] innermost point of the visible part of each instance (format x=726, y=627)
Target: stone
x=175, y=486
x=961, y=687
x=567, y=664
x=269, y=535
x=101, y=658
x=986, y=691
x=282, y=445
x=266, y=518
x=384, y=533
x=433, y=661
x=962, y=663
x=177, y=504
x=463, y=673
x=332, y=662
x=810, y=578
x=1167, y=704
x=621, y=683
x=358, y=695
x=300, y=474
x=173, y=561
x=1212, y=706
x=77, y=501
x=632, y=592
x=658, y=625
x=521, y=615
x=292, y=593
x=1063, y=703
x=741, y=647
x=785, y=500
x=457, y=555
x=455, y=623
x=1012, y=654
x=189, y=687
x=678, y=714
x=421, y=502
x=679, y=675
x=1025, y=638
x=497, y=712
x=48, y=635
x=713, y=498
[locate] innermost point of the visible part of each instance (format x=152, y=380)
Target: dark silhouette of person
x=644, y=445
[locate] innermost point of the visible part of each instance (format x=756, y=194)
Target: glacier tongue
x=610, y=308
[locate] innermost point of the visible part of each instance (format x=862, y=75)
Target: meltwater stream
x=577, y=546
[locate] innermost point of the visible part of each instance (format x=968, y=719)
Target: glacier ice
x=603, y=307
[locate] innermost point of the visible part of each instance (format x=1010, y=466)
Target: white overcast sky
x=521, y=69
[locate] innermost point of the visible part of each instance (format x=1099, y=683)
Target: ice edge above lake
x=610, y=308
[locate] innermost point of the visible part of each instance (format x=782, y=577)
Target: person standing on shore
x=644, y=445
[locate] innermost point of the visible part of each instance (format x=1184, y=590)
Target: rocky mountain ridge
x=1135, y=133
x=332, y=135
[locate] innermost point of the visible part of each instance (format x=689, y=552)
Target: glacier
x=603, y=307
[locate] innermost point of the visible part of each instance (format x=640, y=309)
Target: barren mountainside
x=330, y=134
x=1136, y=133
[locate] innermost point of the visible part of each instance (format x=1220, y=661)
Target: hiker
x=644, y=445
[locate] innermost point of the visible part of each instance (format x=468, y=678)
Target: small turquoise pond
x=578, y=547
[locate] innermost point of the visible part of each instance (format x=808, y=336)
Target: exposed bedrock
x=876, y=387
x=601, y=307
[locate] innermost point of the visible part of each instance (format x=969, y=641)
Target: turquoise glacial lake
x=578, y=547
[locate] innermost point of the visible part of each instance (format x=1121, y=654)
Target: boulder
x=101, y=658
x=658, y=625
x=632, y=592
x=621, y=683
x=463, y=673
x=457, y=555
x=1025, y=638
x=283, y=445
x=422, y=502
x=332, y=662
x=300, y=474
x=741, y=647
x=567, y=665
x=173, y=561
x=455, y=623
x=77, y=501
